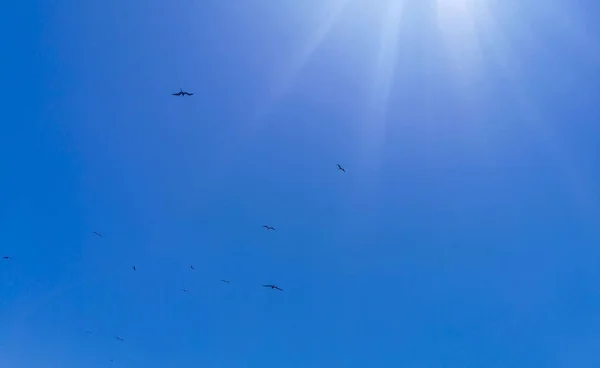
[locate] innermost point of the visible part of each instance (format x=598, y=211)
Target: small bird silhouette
x=225, y=281
x=341, y=168
x=185, y=290
x=135, y=269
x=182, y=93
x=119, y=338
x=97, y=233
x=6, y=257
x=89, y=332
x=192, y=267
x=273, y=287
x=268, y=227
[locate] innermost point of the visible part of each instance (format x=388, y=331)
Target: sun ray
x=385, y=70
x=531, y=113
x=286, y=77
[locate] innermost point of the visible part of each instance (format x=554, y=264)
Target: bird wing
x=278, y=288
x=187, y=93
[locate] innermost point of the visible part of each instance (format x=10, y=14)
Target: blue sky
x=463, y=234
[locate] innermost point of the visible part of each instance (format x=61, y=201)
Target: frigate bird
x=135, y=269
x=225, y=281
x=182, y=93
x=119, y=338
x=341, y=168
x=273, y=287
x=192, y=267
x=6, y=257
x=97, y=233
x=268, y=227
x=185, y=290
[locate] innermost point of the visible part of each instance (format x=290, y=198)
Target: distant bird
x=119, y=338
x=97, y=233
x=192, y=267
x=89, y=332
x=268, y=227
x=6, y=257
x=341, y=168
x=225, y=281
x=135, y=269
x=182, y=93
x=273, y=287
x=185, y=290
x=112, y=360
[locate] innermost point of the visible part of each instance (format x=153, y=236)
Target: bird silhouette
x=185, y=290
x=6, y=257
x=341, y=168
x=225, y=281
x=273, y=287
x=135, y=269
x=97, y=233
x=192, y=267
x=119, y=338
x=182, y=93
x=268, y=227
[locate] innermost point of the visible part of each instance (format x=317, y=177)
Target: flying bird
x=192, y=267
x=185, y=290
x=135, y=269
x=89, y=332
x=6, y=257
x=119, y=338
x=341, y=168
x=273, y=287
x=182, y=93
x=225, y=281
x=97, y=233
x=268, y=227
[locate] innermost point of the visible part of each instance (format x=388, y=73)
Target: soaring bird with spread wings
x=341, y=168
x=268, y=227
x=273, y=287
x=182, y=93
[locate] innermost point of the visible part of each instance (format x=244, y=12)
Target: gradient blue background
x=463, y=234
